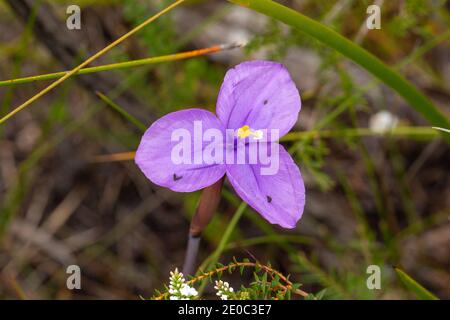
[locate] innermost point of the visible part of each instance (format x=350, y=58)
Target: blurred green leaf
x=413, y=286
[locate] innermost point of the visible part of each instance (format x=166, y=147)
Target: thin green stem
x=425, y=48
x=214, y=257
x=413, y=132
x=426, y=132
x=120, y=65
x=122, y=111
x=226, y=236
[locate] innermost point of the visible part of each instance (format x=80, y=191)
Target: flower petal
x=155, y=155
x=279, y=198
x=260, y=94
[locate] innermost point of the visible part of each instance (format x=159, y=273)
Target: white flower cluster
x=224, y=291
x=179, y=289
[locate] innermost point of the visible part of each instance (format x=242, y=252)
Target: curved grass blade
x=354, y=52
x=442, y=129
x=413, y=286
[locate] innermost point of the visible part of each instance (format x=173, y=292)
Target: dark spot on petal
x=176, y=178
x=269, y=199
x=265, y=101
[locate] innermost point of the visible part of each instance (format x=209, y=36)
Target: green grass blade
x=122, y=111
x=411, y=132
x=214, y=258
x=414, y=287
x=442, y=129
x=352, y=51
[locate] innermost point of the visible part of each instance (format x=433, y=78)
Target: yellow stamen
x=246, y=131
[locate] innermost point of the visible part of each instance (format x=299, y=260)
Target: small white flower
x=188, y=291
x=224, y=291
x=193, y=292
x=382, y=122
x=184, y=290
x=179, y=289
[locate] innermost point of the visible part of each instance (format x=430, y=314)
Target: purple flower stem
x=207, y=206
x=191, y=254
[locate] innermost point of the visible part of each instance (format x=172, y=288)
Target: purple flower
x=258, y=103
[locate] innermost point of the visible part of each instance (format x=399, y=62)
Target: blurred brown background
x=370, y=200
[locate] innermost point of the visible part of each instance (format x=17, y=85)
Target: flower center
x=245, y=131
